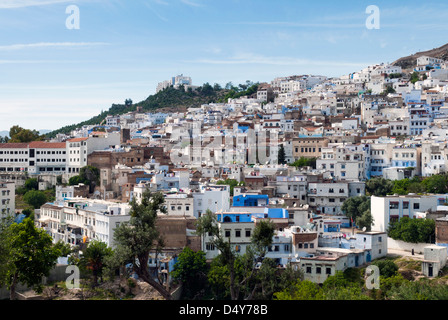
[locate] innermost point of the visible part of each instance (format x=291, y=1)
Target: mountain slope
x=170, y=100
x=411, y=61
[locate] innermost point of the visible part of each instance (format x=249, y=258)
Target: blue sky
x=52, y=76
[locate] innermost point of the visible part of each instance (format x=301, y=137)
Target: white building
x=179, y=204
x=7, y=199
x=426, y=60
x=213, y=197
x=328, y=198
x=435, y=258
x=79, y=148
x=79, y=221
x=34, y=157
x=392, y=208
x=344, y=162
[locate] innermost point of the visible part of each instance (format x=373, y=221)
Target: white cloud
x=301, y=24
x=249, y=58
x=191, y=3
x=49, y=45
x=10, y=4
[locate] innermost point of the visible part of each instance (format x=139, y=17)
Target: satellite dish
x=364, y=229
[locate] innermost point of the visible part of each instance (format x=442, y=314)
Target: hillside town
x=292, y=153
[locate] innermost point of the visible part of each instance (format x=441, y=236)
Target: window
x=328, y=270
x=227, y=233
x=318, y=270
x=417, y=205
x=237, y=233
x=308, y=269
x=393, y=205
x=405, y=205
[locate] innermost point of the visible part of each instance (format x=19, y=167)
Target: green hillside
x=170, y=100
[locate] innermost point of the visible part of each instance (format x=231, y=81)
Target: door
x=430, y=270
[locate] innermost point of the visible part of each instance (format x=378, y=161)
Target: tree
x=19, y=134
x=365, y=220
x=190, y=269
x=31, y=184
x=412, y=230
x=281, y=155
x=94, y=258
x=355, y=207
x=138, y=237
x=415, y=77
x=230, y=182
x=379, y=187
x=88, y=175
x=241, y=268
x=387, y=267
x=401, y=186
x=436, y=183
x=422, y=289
x=303, y=290
x=35, y=198
x=5, y=248
x=304, y=162
x=31, y=257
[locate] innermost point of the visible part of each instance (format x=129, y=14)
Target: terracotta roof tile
x=47, y=145
x=13, y=145
x=77, y=139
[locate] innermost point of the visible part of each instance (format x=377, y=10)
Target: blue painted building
x=251, y=200
x=235, y=217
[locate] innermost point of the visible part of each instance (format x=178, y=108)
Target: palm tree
x=94, y=257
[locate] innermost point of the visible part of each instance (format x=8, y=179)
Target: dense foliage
x=28, y=254
x=88, y=175
x=358, y=210
x=412, y=230
x=381, y=187
x=304, y=162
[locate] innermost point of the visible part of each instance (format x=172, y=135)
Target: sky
x=52, y=74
